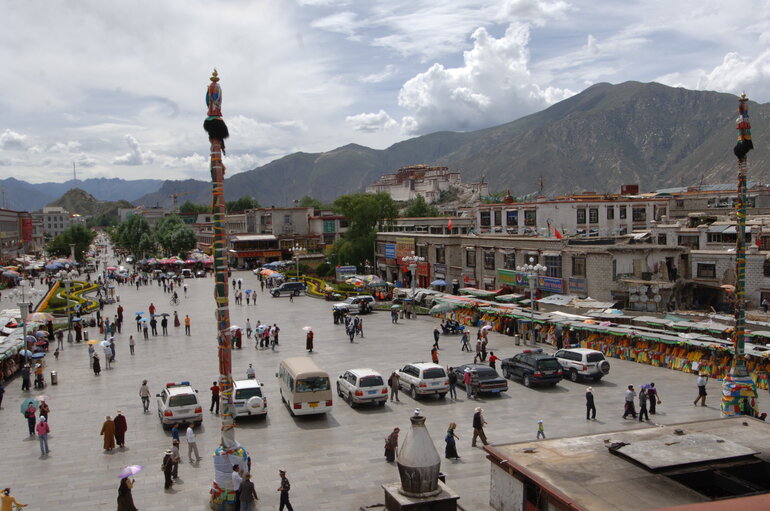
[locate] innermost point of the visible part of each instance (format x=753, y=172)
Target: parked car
x=178, y=403
x=200, y=274
x=359, y=386
x=489, y=380
x=356, y=304
x=187, y=273
x=287, y=288
x=424, y=378
x=533, y=367
x=582, y=362
x=248, y=398
x=130, y=259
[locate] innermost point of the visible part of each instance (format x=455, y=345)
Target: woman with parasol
x=125, y=499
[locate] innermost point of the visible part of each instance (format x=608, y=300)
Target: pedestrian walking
x=154, y=326
x=177, y=324
x=167, y=466
x=452, y=384
x=176, y=459
x=42, y=431
x=175, y=432
x=164, y=325
x=765, y=305
x=393, y=383
x=629, y=403
x=237, y=480
x=250, y=372
x=590, y=406
x=493, y=359
x=394, y=316
x=284, y=489
x=360, y=325
x=653, y=397
x=484, y=342
x=121, y=426
x=144, y=393
x=391, y=444
x=248, y=493
x=2, y=391
x=145, y=330
x=540, y=429
x=30, y=414
x=436, y=335
x=187, y=325
x=309, y=341
x=465, y=344
x=478, y=427
x=8, y=502
x=131, y=344
x=214, y=398
x=97, y=364
x=25, y=373
x=434, y=354
x=643, y=416
x=467, y=382
x=701, y=384
x=108, y=432
x=450, y=451
x=107, y=355
x=125, y=499
x=44, y=409
x=192, y=444
x=475, y=383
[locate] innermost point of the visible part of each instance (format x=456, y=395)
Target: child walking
x=540, y=429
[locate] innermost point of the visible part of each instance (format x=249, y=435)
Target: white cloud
x=371, y=122
x=383, y=75
x=536, y=11
x=493, y=86
x=135, y=156
x=11, y=140
x=342, y=23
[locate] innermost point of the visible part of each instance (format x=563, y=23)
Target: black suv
x=533, y=367
x=294, y=288
x=489, y=380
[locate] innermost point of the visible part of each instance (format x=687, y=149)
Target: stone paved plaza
x=334, y=462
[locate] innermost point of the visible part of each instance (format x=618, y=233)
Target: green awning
x=481, y=293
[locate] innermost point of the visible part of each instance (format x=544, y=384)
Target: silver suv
x=423, y=378
x=582, y=362
x=353, y=304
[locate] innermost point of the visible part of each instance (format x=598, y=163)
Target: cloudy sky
x=118, y=87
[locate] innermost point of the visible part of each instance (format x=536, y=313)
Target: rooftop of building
x=648, y=468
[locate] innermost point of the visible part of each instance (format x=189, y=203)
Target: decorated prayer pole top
x=214, y=124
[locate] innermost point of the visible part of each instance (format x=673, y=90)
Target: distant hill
x=82, y=203
x=606, y=136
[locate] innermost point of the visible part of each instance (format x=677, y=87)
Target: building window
x=509, y=260
x=470, y=258
x=707, y=271
x=680, y=203
x=498, y=217
x=578, y=266
x=593, y=216
x=622, y=212
x=639, y=214
x=440, y=255
x=422, y=251
x=530, y=217
x=489, y=259
x=484, y=218
x=693, y=242
x=512, y=217
x=766, y=268
x=764, y=243
x=343, y=223
x=581, y=216
x=553, y=263
x=610, y=212
x=662, y=239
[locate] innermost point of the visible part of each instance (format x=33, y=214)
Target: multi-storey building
x=423, y=180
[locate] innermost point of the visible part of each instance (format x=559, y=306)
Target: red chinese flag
x=557, y=233
x=758, y=242
x=449, y=225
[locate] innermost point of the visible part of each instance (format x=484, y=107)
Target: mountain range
x=608, y=135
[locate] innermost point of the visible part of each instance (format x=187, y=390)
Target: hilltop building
x=423, y=180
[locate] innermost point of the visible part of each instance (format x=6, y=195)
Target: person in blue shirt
x=175, y=432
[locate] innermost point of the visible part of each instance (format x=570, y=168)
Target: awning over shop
x=509, y=298
x=562, y=300
x=481, y=293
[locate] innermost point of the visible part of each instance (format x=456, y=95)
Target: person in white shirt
x=237, y=486
x=250, y=373
x=702, y=380
x=191, y=444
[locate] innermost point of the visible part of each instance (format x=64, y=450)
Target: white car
x=583, y=362
x=248, y=398
x=423, y=378
x=353, y=303
x=178, y=403
x=359, y=386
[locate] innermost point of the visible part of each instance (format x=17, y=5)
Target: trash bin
x=517, y=340
x=54, y=378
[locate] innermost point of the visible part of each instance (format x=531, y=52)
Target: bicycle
x=174, y=301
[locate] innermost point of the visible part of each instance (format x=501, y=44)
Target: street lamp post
x=66, y=279
x=413, y=261
x=297, y=250
x=533, y=271
x=24, y=311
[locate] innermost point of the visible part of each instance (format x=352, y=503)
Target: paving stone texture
x=334, y=462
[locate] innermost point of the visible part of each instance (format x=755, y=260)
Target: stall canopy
x=509, y=298
x=481, y=293
x=562, y=300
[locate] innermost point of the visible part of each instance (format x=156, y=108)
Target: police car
x=178, y=403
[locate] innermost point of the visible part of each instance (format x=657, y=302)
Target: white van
x=305, y=387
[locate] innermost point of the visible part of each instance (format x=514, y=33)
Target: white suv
x=358, y=386
x=582, y=362
x=353, y=303
x=423, y=378
x=248, y=398
x=178, y=403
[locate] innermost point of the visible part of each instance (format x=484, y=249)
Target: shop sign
x=522, y=279
x=507, y=277
x=577, y=285
x=404, y=247
x=550, y=284
x=390, y=250
x=439, y=270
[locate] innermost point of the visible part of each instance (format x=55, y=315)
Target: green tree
x=79, y=235
x=135, y=236
x=190, y=207
x=309, y=202
x=366, y=213
x=174, y=236
x=242, y=204
x=418, y=208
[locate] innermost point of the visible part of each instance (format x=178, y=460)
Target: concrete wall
x=506, y=493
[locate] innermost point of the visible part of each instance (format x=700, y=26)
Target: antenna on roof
x=74, y=175
x=541, y=184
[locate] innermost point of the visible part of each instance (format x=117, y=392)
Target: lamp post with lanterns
x=533, y=271
x=413, y=261
x=296, y=251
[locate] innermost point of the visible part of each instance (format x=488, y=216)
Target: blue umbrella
x=143, y=320
x=138, y=313
x=439, y=282
x=26, y=402
x=25, y=353
x=54, y=266
x=37, y=355
x=249, y=291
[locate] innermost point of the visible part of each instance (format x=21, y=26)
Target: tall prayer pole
x=229, y=452
x=739, y=391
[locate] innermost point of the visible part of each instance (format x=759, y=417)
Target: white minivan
x=305, y=387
